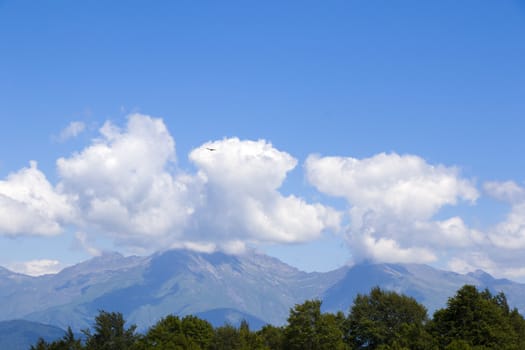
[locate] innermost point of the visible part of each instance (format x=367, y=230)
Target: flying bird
x=211, y=149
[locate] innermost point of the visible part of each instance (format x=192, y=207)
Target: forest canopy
x=383, y=320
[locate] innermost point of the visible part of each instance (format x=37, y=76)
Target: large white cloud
x=125, y=185
x=122, y=185
x=242, y=198
x=404, y=186
x=30, y=205
x=392, y=200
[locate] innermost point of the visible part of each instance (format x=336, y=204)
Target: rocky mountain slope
x=218, y=287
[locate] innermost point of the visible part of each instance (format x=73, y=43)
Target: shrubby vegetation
x=382, y=320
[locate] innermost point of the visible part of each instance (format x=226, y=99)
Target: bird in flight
x=211, y=149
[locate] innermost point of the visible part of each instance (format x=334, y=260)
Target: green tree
x=272, y=337
x=309, y=329
x=387, y=319
x=67, y=342
x=249, y=340
x=110, y=333
x=165, y=334
x=477, y=319
x=197, y=331
x=226, y=337
x=41, y=344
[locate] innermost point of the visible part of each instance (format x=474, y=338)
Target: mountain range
x=218, y=287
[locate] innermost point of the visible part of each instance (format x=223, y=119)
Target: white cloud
x=122, y=186
x=242, y=201
x=82, y=241
x=125, y=187
x=392, y=201
x=399, y=185
x=510, y=233
x=74, y=129
x=388, y=250
x=507, y=191
x=36, y=267
x=30, y=205
x=493, y=261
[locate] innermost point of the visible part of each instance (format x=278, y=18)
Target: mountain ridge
x=218, y=285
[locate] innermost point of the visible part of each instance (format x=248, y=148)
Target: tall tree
x=197, y=331
x=309, y=329
x=165, y=334
x=385, y=318
x=477, y=319
x=110, y=333
x=67, y=342
x=272, y=337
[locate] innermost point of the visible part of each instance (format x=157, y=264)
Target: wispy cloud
x=81, y=241
x=74, y=129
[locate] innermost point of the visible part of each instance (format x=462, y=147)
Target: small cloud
x=74, y=129
x=36, y=267
x=82, y=242
x=507, y=191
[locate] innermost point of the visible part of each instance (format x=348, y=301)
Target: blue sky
x=421, y=102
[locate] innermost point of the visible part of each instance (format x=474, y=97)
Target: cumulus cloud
x=242, y=201
x=121, y=184
x=392, y=200
x=36, y=267
x=74, y=129
x=124, y=186
x=30, y=205
x=400, y=185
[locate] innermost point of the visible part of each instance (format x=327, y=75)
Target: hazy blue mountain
x=218, y=287
x=429, y=286
x=177, y=281
x=21, y=334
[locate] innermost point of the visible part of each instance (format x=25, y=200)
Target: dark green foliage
x=197, y=331
x=385, y=318
x=309, y=329
x=380, y=320
x=479, y=320
x=226, y=338
x=110, y=333
x=68, y=342
x=272, y=337
x=165, y=334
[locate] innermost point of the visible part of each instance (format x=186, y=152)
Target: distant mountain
x=429, y=286
x=21, y=334
x=178, y=281
x=218, y=287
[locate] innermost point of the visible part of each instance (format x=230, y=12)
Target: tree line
x=382, y=320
